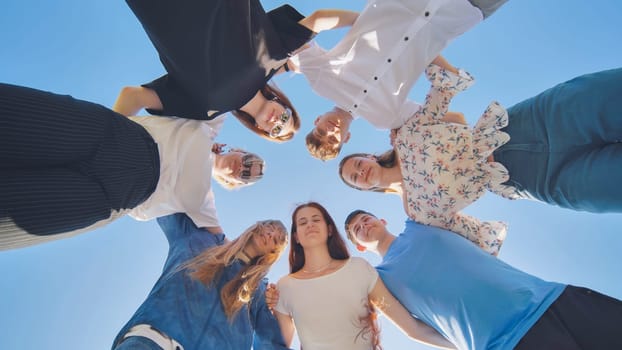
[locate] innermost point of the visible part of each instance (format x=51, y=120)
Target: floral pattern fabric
x=444, y=165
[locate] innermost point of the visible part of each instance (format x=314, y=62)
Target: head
x=362, y=171
x=312, y=225
x=364, y=230
x=263, y=242
x=331, y=131
x=277, y=119
x=238, y=168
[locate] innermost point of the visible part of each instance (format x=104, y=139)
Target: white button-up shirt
x=186, y=162
x=370, y=72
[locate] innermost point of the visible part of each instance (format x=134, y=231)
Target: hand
x=218, y=147
x=392, y=136
x=272, y=296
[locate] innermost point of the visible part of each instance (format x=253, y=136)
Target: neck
x=219, y=166
x=385, y=243
x=316, y=257
x=391, y=177
x=250, y=251
x=243, y=257
x=344, y=116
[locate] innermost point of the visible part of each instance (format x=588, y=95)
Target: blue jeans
x=565, y=147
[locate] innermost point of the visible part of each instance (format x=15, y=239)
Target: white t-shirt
x=186, y=162
x=327, y=310
x=370, y=72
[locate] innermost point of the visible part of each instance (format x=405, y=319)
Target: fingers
x=218, y=147
x=272, y=296
x=393, y=136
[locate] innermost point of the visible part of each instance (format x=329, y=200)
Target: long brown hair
x=270, y=91
x=208, y=266
x=336, y=245
x=338, y=250
x=387, y=160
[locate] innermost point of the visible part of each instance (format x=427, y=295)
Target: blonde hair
x=321, y=150
x=208, y=266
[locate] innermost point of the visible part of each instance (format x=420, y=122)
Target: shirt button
x=405, y=38
x=364, y=91
x=375, y=78
x=427, y=13
x=389, y=60
x=355, y=106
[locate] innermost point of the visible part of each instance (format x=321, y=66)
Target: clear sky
x=77, y=293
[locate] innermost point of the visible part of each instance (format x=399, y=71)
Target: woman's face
x=274, y=118
x=311, y=228
x=361, y=172
x=269, y=240
x=233, y=167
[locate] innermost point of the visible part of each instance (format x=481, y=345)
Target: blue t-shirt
x=472, y=298
x=191, y=313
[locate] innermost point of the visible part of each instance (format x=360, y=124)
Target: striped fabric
x=67, y=165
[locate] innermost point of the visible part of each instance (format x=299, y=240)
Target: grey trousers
x=488, y=7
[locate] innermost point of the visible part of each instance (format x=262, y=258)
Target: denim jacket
x=191, y=313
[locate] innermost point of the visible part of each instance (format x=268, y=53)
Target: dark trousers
x=66, y=164
x=580, y=319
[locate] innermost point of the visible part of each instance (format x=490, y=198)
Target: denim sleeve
x=179, y=227
x=267, y=332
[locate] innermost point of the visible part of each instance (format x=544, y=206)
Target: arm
x=132, y=99
x=445, y=84
x=287, y=327
x=488, y=235
x=396, y=313
x=442, y=62
x=329, y=19
x=272, y=296
x=180, y=225
x=454, y=117
x=268, y=336
x=214, y=229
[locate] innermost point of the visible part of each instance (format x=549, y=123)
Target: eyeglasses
x=246, y=166
x=281, y=121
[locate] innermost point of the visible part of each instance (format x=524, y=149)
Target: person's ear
x=360, y=248
x=316, y=121
x=384, y=222
x=346, y=138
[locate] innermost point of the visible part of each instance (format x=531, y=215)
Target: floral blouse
x=444, y=165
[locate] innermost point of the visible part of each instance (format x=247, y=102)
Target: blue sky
x=77, y=293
